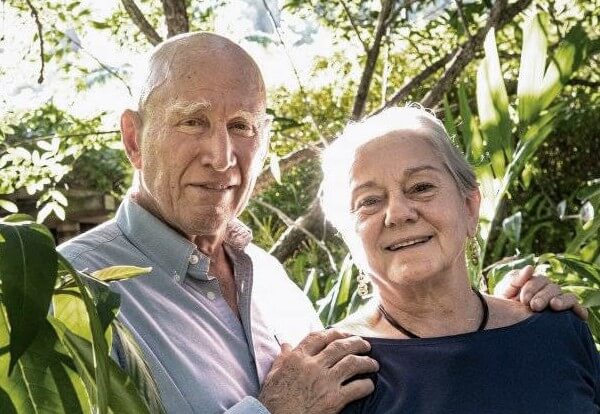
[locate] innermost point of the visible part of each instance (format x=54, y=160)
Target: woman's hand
x=537, y=292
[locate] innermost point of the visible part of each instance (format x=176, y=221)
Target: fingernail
x=537, y=303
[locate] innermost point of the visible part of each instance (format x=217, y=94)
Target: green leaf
x=592, y=299
x=492, y=105
x=100, y=25
x=532, y=69
x=138, y=369
x=583, y=269
x=122, y=396
x=28, y=268
x=274, y=167
x=100, y=348
x=113, y=273
x=44, y=379
x=567, y=58
x=449, y=121
x=512, y=227
x=9, y=206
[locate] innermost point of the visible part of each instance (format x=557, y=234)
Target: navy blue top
x=545, y=364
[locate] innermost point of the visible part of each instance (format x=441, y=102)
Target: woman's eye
x=422, y=187
x=367, y=202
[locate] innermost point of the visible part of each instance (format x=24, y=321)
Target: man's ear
x=473, y=200
x=131, y=135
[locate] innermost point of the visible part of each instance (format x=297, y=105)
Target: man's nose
x=399, y=211
x=219, y=153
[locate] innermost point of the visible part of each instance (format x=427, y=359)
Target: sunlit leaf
x=9, y=206
x=274, y=167
x=532, y=69
x=109, y=274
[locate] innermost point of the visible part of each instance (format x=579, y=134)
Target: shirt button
x=211, y=295
x=176, y=277
x=194, y=259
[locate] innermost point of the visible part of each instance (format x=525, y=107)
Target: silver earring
x=363, y=285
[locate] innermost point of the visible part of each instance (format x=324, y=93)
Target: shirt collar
x=164, y=245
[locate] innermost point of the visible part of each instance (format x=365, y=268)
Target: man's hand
x=537, y=292
x=311, y=378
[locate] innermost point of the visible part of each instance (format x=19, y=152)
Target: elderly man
x=217, y=316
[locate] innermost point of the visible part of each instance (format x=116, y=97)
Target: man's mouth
x=408, y=243
x=215, y=186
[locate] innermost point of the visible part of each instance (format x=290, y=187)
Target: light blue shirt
x=203, y=358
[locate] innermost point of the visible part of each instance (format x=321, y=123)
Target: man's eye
x=193, y=122
x=243, y=128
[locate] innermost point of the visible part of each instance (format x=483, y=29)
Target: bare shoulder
x=504, y=312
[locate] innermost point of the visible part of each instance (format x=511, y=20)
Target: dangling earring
x=473, y=252
x=363, y=285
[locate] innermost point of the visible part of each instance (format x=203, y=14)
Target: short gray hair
x=339, y=157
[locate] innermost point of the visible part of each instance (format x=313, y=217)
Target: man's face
x=202, y=145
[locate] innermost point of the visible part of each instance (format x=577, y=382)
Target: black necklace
x=396, y=324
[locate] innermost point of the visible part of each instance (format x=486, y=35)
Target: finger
x=513, y=282
x=532, y=287
x=315, y=342
x=351, y=366
x=355, y=390
x=340, y=348
x=569, y=301
x=541, y=299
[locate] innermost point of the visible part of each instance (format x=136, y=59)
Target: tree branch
x=409, y=86
x=140, y=21
x=499, y=16
x=312, y=222
x=265, y=179
x=176, y=17
x=461, y=14
x=351, y=20
x=372, y=55
x=297, y=76
x=38, y=23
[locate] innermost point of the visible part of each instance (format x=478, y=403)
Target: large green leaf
x=567, y=58
x=44, y=380
x=492, y=105
x=101, y=376
x=122, y=395
x=28, y=265
x=532, y=69
x=137, y=369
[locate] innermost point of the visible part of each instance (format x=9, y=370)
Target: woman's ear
x=473, y=200
x=131, y=135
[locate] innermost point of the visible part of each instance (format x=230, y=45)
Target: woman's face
x=409, y=215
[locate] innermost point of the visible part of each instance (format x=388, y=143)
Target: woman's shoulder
x=505, y=312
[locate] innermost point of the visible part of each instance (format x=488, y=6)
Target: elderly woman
x=406, y=202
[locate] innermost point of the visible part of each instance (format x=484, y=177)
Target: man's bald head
x=176, y=58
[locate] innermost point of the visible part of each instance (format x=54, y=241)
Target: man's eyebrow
x=188, y=108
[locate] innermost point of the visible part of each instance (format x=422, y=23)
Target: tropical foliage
x=516, y=82
x=58, y=360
